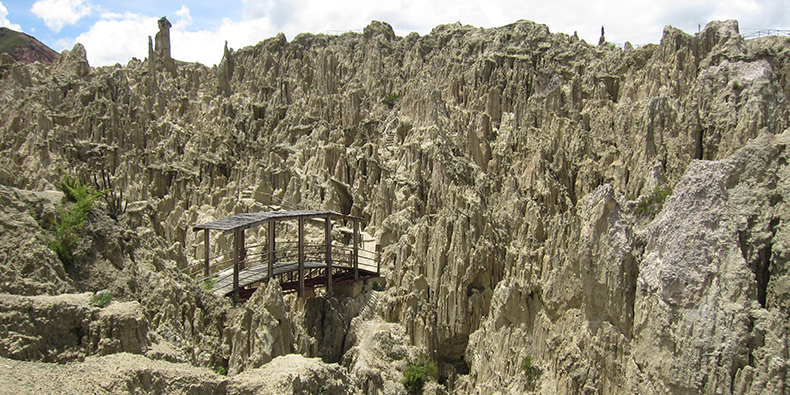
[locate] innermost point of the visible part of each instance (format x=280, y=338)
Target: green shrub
x=417, y=373
x=653, y=202
x=72, y=214
x=413, y=378
x=377, y=286
x=220, y=370
x=101, y=299
x=531, y=372
x=736, y=85
x=526, y=363
x=208, y=282
x=390, y=99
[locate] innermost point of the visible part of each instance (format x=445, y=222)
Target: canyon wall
x=501, y=170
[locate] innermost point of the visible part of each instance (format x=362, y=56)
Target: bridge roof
x=248, y=220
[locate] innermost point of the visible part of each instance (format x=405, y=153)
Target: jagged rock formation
x=124, y=373
x=37, y=270
x=160, y=53
x=501, y=170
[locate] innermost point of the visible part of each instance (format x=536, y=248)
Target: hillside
x=617, y=217
x=25, y=48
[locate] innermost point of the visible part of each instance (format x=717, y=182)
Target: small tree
x=417, y=373
x=72, y=215
x=116, y=205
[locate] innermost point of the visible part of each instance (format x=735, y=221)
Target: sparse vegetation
x=526, y=363
x=208, y=282
x=11, y=40
x=417, y=373
x=377, y=286
x=114, y=198
x=390, y=99
x=652, y=203
x=530, y=371
x=72, y=215
x=736, y=85
x=101, y=299
x=235, y=300
x=220, y=370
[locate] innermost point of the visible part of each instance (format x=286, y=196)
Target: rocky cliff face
x=502, y=170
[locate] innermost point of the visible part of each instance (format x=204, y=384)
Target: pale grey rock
x=73, y=63
x=710, y=280
x=28, y=267
x=294, y=374
x=495, y=183
x=66, y=328
x=260, y=331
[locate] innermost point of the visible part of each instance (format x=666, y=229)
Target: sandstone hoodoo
x=551, y=216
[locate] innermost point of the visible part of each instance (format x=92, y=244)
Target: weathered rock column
x=162, y=46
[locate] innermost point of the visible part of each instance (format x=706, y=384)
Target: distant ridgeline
x=25, y=48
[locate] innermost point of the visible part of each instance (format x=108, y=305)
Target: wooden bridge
x=298, y=264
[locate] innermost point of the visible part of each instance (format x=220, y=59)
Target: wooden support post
x=356, y=249
x=328, y=242
x=271, y=247
x=242, y=251
x=206, y=269
x=236, y=265
x=301, y=257
x=378, y=260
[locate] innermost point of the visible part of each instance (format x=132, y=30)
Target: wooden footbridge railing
x=298, y=265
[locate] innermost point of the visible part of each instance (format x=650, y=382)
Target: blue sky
x=114, y=32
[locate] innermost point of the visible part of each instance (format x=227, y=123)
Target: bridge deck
x=317, y=264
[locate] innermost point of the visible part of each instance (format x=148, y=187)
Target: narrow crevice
x=763, y=273
x=757, y=254
x=743, y=243
x=700, y=149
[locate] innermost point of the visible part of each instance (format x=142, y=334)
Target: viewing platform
x=297, y=264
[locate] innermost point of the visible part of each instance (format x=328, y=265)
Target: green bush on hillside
x=101, y=299
x=417, y=373
x=72, y=216
x=652, y=203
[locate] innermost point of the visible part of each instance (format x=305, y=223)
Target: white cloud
x=116, y=38
x=206, y=46
x=640, y=21
x=184, y=20
x=4, y=22
x=59, y=13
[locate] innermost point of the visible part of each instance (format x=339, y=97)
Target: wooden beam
x=206, y=269
x=328, y=242
x=356, y=249
x=271, y=248
x=236, y=266
x=242, y=250
x=301, y=257
x=378, y=259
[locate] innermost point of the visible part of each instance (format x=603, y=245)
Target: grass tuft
x=101, y=299
x=652, y=203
